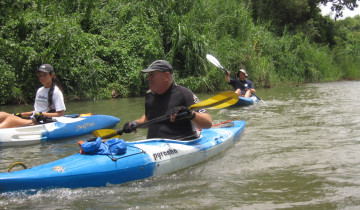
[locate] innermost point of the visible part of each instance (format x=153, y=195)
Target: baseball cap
x=243, y=71
x=47, y=68
x=159, y=65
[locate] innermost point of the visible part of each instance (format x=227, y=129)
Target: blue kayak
x=142, y=159
x=246, y=101
x=68, y=126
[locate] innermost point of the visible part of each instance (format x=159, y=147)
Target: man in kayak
x=49, y=102
x=242, y=86
x=167, y=98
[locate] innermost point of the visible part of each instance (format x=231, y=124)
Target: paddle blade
x=214, y=61
x=106, y=133
x=219, y=101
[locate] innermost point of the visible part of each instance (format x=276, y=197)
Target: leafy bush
x=99, y=47
x=7, y=80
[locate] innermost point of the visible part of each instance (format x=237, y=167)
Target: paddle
x=219, y=101
x=216, y=62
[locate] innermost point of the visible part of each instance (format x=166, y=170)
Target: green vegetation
x=99, y=47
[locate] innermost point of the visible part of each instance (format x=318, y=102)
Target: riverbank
x=98, y=48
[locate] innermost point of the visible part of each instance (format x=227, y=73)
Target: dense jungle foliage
x=99, y=47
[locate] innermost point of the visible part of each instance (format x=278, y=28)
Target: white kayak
x=64, y=127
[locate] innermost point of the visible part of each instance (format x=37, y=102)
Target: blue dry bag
x=111, y=147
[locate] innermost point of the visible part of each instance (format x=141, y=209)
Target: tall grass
x=99, y=47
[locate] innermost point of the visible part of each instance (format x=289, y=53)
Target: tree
x=338, y=6
x=300, y=16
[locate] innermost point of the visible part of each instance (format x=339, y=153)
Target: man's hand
x=130, y=127
x=180, y=113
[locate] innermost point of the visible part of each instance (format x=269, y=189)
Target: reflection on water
x=299, y=150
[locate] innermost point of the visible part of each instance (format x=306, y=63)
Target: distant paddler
x=242, y=86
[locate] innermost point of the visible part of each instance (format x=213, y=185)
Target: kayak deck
x=245, y=101
x=142, y=159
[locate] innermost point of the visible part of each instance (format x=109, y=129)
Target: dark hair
x=56, y=82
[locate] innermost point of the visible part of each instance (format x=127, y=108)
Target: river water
x=300, y=150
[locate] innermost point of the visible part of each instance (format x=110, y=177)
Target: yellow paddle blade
x=219, y=101
x=106, y=132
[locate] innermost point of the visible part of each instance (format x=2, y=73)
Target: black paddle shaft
x=156, y=120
